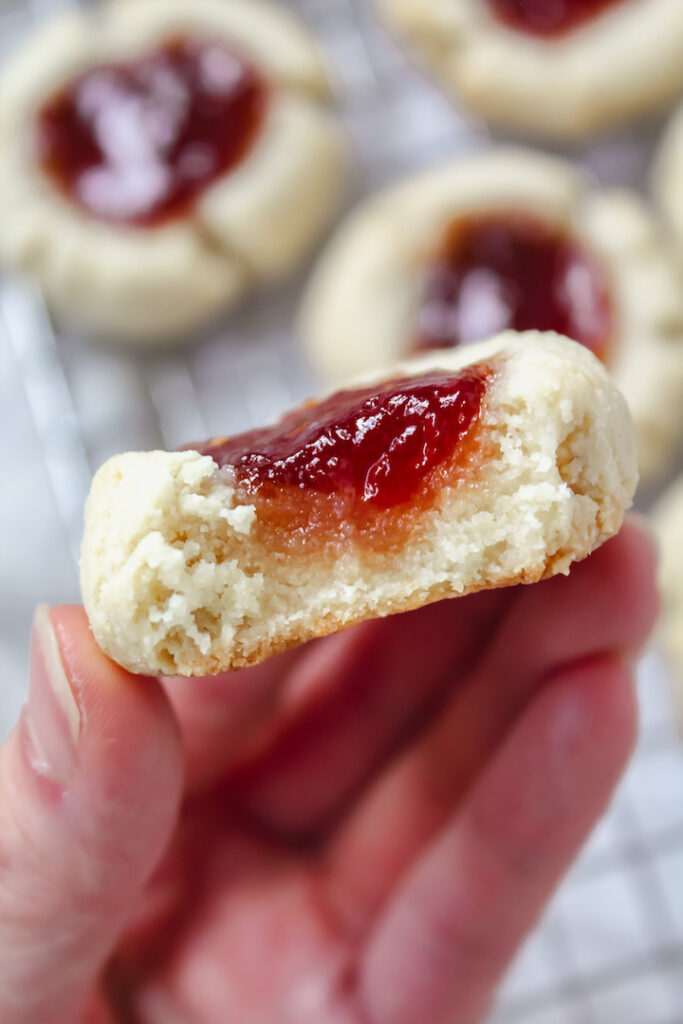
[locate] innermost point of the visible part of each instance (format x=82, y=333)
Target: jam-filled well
x=363, y=460
x=513, y=270
x=136, y=143
x=549, y=18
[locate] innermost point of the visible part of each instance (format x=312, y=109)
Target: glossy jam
x=137, y=143
x=360, y=461
x=511, y=270
x=548, y=18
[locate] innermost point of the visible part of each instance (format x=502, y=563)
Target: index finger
x=221, y=716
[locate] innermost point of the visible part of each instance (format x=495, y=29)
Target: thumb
x=90, y=783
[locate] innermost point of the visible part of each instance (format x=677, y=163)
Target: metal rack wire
x=610, y=948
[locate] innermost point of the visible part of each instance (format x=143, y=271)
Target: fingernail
x=53, y=716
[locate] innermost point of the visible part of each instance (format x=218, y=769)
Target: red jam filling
x=136, y=143
x=548, y=18
x=512, y=270
x=346, y=462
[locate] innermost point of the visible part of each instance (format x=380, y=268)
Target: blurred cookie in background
x=554, y=68
x=159, y=157
x=668, y=176
x=668, y=519
x=507, y=239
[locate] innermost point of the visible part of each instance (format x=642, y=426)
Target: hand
x=359, y=832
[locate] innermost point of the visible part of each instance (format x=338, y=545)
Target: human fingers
x=351, y=700
x=608, y=603
x=443, y=942
x=220, y=716
x=90, y=783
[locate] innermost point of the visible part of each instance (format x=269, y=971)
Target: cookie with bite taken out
x=484, y=466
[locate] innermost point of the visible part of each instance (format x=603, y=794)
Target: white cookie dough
x=254, y=224
x=668, y=519
x=623, y=64
x=362, y=304
x=179, y=576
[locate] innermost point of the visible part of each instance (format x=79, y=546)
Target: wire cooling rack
x=610, y=948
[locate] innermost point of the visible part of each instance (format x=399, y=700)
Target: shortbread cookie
x=669, y=176
x=669, y=527
x=158, y=157
x=562, y=69
x=498, y=464
x=507, y=239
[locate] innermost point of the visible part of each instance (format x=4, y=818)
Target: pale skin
x=362, y=831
